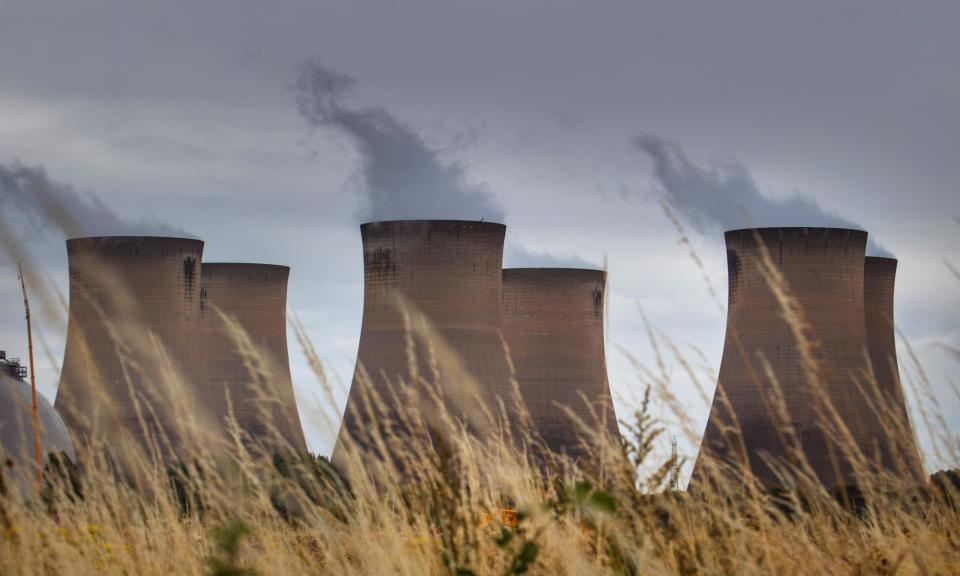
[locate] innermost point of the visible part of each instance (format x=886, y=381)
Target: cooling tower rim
x=255, y=265
x=118, y=239
x=795, y=228
x=554, y=270
x=795, y=232
x=428, y=222
x=880, y=260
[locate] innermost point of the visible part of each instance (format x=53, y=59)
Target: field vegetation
x=427, y=497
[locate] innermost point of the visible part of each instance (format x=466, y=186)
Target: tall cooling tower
x=553, y=325
x=823, y=268
x=879, y=277
x=243, y=344
x=134, y=309
x=448, y=271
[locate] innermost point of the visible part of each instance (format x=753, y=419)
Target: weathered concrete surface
x=129, y=366
x=431, y=315
x=250, y=366
x=553, y=326
x=899, y=448
x=824, y=269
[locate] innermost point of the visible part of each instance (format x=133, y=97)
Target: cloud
x=725, y=196
x=403, y=177
x=516, y=256
x=29, y=198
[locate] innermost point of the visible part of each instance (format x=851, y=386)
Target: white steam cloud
x=516, y=256
x=403, y=177
x=28, y=197
x=725, y=196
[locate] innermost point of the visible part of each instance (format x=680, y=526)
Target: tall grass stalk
x=433, y=485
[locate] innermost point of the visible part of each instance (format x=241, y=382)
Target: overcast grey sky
x=555, y=114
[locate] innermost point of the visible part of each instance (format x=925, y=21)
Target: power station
x=129, y=361
x=786, y=403
x=432, y=315
x=243, y=344
x=158, y=346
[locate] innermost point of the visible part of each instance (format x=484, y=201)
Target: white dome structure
x=16, y=433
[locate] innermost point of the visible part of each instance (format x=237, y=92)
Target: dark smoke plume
x=725, y=196
x=28, y=197
x=403, y=177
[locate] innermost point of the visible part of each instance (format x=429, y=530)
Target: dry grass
x=416, y=506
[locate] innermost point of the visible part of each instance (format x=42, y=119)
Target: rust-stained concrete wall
x=448, y=271
x=879, y=278
x=134, y=308
x=255, y=297
x=553, y=326
x=824, y=270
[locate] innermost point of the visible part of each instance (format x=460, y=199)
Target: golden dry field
x=446, y=502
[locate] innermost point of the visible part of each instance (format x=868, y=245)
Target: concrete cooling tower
x=448, y=271
x=824, y=269
x=129, y=367
x=254, y=298
x=553, y=326
x=900, y=456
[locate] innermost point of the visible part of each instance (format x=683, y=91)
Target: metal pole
x=33, y=384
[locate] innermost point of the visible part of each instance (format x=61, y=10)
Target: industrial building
x=16, y=428
x=898, y=448
x=431, y=315
x=11, y=367
x=153, y=335
x=553, y=326
x=823, y=269
x=129, y=366
x=243, y=345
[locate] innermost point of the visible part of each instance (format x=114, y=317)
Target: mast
x=33, y=383
x=675, y=466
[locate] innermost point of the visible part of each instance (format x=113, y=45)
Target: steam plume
x=517, y=256
x=725, y=196
x=28, y=195
x=403, y=177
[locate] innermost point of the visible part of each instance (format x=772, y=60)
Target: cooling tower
x=128, y=367
x=448, y=271
x=823, y=268
x=901, y=456
x=553, y=325
x=243, y=344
